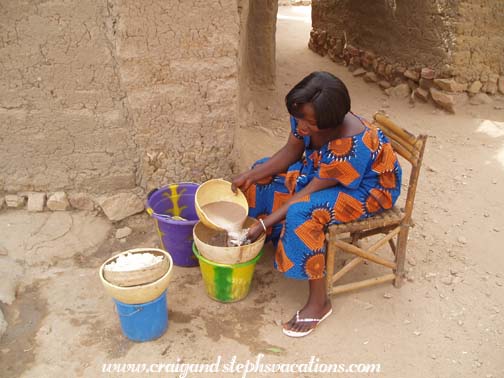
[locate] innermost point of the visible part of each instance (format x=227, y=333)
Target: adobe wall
x=479, y=50
x=63, y=115
x=98, y=96
x=408, y=32
x=436, y=50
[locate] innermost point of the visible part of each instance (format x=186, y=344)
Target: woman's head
x=320, y=99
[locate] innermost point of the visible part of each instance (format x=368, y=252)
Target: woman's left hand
x=255, y=232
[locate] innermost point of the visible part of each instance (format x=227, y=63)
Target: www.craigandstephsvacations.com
x=234, y=366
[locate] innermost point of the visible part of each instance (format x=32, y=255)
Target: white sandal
x=292, y=333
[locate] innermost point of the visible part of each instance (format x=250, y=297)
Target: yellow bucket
x=227, y=283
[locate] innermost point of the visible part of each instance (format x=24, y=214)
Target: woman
x=349, y=171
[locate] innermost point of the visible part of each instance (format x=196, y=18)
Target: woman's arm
x=314, y=185
x=279, y=162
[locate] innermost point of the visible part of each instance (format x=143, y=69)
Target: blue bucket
x=143, y=322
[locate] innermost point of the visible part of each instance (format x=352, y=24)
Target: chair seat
x=386, y=218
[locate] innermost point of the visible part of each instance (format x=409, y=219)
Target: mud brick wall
x=479, y=50
x=406, y=31
x=178, y=64
x=443, y=51
x=63, y=119
x=103, y=95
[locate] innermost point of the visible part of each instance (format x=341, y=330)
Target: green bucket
x=227, y=283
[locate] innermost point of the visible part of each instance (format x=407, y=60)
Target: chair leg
x=330, y=257
x=400, y=255
x=392, y=246
x=355, y=239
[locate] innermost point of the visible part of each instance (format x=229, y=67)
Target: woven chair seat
x=386, y=218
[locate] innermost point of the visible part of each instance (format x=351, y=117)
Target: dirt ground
x=446, y=321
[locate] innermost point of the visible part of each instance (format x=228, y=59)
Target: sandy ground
x=446, y=321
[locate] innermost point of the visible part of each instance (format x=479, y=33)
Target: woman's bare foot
x=309, y=311
x=317, y=306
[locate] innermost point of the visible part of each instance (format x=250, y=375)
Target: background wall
x=178, y=64
x=440, y=50
x=406, y=31
x=479, y=50
x=63, y=115
x=105, y=95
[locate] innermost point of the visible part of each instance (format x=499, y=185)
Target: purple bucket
x=175, y=200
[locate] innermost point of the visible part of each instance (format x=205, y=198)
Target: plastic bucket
x=227, y=283
x=176, y=235
x=143, y=322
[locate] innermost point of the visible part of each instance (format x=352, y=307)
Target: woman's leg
x=301, y=249
x=300, y=255
x=316, y=307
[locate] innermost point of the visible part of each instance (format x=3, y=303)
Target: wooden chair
x=393, y=223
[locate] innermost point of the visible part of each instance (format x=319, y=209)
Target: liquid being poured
x=227, y=215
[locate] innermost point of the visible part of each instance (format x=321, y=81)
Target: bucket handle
x=137, y=310
x=149, y=195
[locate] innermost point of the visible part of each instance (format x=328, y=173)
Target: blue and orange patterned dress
x=368, y=179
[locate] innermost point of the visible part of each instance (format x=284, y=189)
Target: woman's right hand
x=242, y=181
x=254, y=232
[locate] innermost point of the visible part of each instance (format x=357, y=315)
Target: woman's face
x=307, y=125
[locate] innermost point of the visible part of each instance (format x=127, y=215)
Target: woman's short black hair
x=328, y=95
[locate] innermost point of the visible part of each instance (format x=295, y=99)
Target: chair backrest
x=410, y=147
